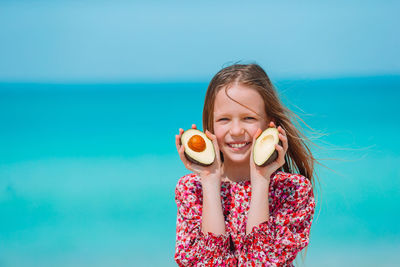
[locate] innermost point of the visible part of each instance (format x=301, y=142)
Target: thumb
x=256, y=135
x=215, y=144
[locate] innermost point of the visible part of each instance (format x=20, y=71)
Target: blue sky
x=128, y=41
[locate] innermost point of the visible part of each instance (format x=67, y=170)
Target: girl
x=235, y=213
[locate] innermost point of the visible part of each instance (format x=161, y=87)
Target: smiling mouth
x=239, y=145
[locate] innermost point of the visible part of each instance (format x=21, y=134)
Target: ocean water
x=88, y=171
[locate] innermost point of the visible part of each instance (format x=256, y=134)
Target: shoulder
x=292, y=185
x=188, y=184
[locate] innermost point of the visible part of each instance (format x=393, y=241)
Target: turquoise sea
x=88, y=171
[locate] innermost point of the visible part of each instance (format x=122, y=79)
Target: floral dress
x=274, y=242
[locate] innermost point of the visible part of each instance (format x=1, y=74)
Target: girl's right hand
x=208, y=174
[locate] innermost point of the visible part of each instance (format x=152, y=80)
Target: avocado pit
x=197, y=143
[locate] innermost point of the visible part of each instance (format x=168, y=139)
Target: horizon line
x=193, y=80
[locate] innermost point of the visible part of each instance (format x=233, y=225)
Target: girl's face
x=235, y=125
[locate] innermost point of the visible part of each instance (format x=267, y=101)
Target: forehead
x=243, y=94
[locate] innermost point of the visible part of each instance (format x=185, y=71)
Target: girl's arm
x=212, y=214
x=260, y=180
x=286, y=232
x=259, y=205
x=193, y=247
x=201, y=238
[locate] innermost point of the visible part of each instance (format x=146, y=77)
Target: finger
x=252, y=163
x=284, y=142
x=213, y=139
x=281, y=130
x=177, y=142
x=178, y=138
x=283, y=138
x=194, y=126
x=281, y=155
x=185, y=161
x=181, y=150
x=209, y=135
x=257, y=134
x=272, y=124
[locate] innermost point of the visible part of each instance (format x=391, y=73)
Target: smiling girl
x=233, y=212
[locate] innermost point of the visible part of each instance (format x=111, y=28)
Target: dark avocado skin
x=195, y=161
x=273, y=157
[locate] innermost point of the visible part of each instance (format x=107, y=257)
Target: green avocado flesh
x=264, y=148
x=205, y=157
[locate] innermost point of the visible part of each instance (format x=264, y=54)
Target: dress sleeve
x=193, y=248
x=278, y=240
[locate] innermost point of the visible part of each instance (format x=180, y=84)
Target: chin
x=238, y=159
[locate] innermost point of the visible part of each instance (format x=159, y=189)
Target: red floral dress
x=275, y=242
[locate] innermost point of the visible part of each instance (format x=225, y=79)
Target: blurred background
x=92, y=94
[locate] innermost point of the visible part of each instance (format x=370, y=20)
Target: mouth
x=236, y=146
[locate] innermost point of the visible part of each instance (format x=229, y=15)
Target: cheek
x=219, y=132
x=253, y=129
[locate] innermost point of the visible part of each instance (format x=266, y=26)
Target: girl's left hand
x=262, y=174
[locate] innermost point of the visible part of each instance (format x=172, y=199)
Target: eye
x=250, y=118
x=223, y=119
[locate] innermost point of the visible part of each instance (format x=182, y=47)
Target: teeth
x=237, y=145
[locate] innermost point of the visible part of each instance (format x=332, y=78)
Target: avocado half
x=198, y=147
x=264, y=151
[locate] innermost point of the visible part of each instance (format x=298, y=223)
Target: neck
x=236, y=172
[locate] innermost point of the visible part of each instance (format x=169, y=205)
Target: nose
x=236, y=128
